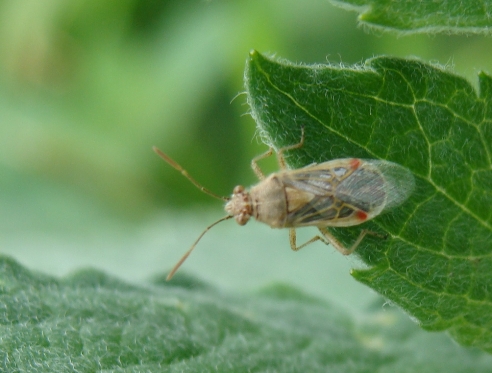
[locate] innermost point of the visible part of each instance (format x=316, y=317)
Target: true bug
x=338, y=193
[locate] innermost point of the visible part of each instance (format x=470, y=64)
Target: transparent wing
x=399, y=182
x=344, y=192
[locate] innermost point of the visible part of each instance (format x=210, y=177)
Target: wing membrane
x=344, y=192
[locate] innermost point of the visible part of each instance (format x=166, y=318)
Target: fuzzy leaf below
x=90, y=322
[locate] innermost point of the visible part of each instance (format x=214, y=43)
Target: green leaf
x=90, y=322
x=471, y=16
x=436, y=263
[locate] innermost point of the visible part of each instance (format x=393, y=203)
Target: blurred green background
x=87, y=87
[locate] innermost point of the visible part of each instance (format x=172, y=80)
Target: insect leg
x=293, y=240
x=338, y=245
x=254, y=163
x=328, y=239
x=280, y=157
x=280, y=153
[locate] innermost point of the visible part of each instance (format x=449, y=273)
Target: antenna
x=187, y=254
x=183, y=172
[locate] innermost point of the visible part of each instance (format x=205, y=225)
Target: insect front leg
x=280, y=157
x=254, y=163
x=280, y=153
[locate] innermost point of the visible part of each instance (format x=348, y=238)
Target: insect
x=338, y=193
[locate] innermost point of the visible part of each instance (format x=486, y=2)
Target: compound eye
x=238, y=189
x=242, y=219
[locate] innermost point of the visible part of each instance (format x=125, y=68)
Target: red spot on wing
x=361, y=215
x=355, y=163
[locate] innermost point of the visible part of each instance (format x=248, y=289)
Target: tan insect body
x=266, y=202
x=337, y=193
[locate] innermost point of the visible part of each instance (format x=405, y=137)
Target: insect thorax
x=269, y=202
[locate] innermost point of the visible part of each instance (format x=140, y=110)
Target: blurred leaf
x=91, y=322
x=471, y=16
x=436, y=263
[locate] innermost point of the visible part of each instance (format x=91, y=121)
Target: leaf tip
x=253, y=53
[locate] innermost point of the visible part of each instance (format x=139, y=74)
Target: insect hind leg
x=339, y=246
x=328, y=239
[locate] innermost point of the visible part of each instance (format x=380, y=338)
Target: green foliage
x=88, y=86
x=472, y=16
x=436, y=263
x=90, y=322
